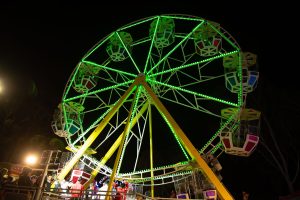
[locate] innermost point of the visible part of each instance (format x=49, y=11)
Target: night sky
x=40, y=46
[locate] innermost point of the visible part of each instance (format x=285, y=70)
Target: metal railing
x=30, y=193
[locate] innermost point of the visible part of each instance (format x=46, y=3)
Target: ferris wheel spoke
x=151, y=46
x=128, y=52
x=115, y=79
x=178, y=45
x=99, y=91
x=166, y=65
x=202, y=96
x=111, y=69
x=194, y=78
x=193, y=64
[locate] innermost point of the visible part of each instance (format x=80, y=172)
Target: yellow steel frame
x=113, y=148
x=193, y=152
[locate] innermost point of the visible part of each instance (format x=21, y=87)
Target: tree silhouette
x=279, y=139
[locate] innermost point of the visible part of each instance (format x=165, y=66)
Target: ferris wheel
x=130, y=95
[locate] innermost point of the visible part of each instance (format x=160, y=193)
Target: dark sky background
x=41, y=44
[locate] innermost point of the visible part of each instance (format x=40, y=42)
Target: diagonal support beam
x=97, y=131
x=187, y=144
x=114, y=147
x=121, y=146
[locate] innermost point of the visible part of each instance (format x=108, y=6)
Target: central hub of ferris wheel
x=141, y=74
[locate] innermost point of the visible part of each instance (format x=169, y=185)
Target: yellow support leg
x=121, y=146
x=151, y=152
x=221, y=190
x=96, y=132
x=113, y=148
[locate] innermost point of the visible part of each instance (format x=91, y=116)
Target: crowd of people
x=25, y=183
x=74, y=189
x=68, y=188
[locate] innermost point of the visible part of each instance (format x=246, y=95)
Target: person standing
x=64, y=186
x=25, y=183
x=24, y=178
x=34, y=182
x=3, y=180
x=103, y=190
x=77, y=189
x=48, y=183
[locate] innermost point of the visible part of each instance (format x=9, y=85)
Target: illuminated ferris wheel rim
x=139, y=73
x=182, y=170
x=174, y=16
x=150, y=76
x=178, y=16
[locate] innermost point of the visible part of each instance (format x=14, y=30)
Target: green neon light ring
x=191, y=85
